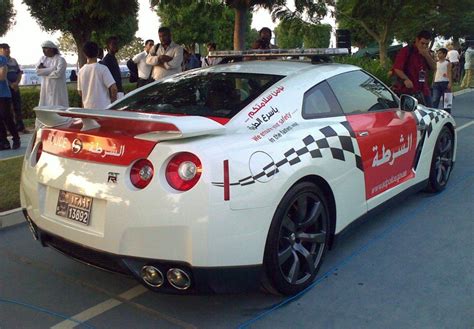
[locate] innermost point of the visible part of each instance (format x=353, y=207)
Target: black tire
x=297, y=240
x=442, y=162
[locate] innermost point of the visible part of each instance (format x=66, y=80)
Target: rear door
x=386, y=135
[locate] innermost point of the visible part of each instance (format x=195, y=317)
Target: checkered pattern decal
x=427, y=117
x=337, y=140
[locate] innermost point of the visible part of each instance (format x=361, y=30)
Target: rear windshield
x=200, y=93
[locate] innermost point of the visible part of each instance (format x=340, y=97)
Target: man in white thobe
x=144, y=69
x=52, y=69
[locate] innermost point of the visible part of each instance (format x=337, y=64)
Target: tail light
x=183, y=171
x=141, y=173
x=39, y=151
x=39, y=148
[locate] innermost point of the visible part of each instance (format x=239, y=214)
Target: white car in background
x=226, y=177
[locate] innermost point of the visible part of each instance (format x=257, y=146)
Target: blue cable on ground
x=43, y=310
x=345, y=261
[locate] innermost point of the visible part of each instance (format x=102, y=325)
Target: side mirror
x=408, y=103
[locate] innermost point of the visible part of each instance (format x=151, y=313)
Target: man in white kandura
x=52, y=69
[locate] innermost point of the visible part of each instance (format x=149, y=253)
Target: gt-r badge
x=76, y=146
x=113, y=176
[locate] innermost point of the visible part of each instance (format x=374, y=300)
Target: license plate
x=74, y=206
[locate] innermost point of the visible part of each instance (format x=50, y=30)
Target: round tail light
x=141, y=173
x=183, y=171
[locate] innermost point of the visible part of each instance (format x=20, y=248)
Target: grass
x=456, y=87
x=10, y=171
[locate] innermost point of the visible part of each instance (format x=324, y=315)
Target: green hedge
x=30, y=97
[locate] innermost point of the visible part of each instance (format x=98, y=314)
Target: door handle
x=363, y=133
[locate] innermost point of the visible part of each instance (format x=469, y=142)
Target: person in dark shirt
x=73, y=76
x=411, y=66
x=111, y=62
x=14, y=77
x=264, y=40
x=5, y=104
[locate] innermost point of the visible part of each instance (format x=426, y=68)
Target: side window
x=358, y=92
x=319, y=102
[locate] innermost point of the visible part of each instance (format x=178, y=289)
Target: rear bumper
x=204, y=279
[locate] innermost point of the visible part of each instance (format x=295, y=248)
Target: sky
x=25, y=37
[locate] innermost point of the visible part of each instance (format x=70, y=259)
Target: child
x=95, y=83
x=442, y=81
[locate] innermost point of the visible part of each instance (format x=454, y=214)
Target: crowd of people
x=414, y=62
x=99, y=83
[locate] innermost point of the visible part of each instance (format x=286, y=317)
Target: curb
x=463, y=91
x=12, y=157
x=11, y=217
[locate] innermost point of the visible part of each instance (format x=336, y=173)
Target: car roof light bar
x=268, y=53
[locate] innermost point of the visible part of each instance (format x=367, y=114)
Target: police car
x=232, y=176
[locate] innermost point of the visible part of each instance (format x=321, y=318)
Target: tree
x=7, y=13
x=191, y=21
x=359, y=36
x=241, y=8
x=447, y=18
x=213, y=23
x=294, y=33
x=317, y=35
x=223, y=30
x=304, y=23
x=403, y=19
x=130, y=49
x=311, y=11
x=87, y=19
x=67, y=44
x=289, y=33
x=379, y=18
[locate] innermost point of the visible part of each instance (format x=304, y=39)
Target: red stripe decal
x=226, y=181
x=118, y=149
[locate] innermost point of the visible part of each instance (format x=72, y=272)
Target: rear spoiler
x=161, y=127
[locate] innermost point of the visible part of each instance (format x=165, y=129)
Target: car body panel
x=385, y=137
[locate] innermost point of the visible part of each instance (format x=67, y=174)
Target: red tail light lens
x=141, y=173
x=183, y=171
x=39, y=151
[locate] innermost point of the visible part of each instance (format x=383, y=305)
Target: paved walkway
x=8, y=154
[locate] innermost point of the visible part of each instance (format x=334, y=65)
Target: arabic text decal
x=388, y=155
x=263, y=102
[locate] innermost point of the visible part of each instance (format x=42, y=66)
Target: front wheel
x=297, y=240
x=442, y=162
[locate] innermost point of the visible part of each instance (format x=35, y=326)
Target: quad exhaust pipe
x=176, y=277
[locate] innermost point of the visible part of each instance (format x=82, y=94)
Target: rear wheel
x=442, y=162
x=297, y=240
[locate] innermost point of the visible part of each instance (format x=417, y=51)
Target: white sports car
x=229, y=177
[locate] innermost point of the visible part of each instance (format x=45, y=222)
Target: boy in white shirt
x=95, y=83
x=443, y=79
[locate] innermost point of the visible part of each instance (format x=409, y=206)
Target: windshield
x=200, y=93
